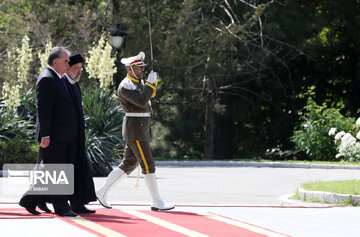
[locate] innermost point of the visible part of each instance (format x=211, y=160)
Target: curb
x=286, y=200
x=326, y=197
x=244, y=164
x=254, y=164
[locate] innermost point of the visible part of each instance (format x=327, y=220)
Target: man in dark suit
x=84, y=191
x=56, y=126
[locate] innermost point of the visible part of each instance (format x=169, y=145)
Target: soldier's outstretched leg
x=114, y=177
x=157, y=203
x=127, y=165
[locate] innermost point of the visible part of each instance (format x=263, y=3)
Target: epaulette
x=126, y=83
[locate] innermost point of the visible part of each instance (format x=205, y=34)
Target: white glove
x=152, y=78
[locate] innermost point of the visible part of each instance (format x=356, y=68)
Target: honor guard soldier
x=135, y=95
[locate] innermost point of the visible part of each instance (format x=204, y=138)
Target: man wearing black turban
x=84, y=191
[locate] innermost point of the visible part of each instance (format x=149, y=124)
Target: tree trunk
x=116, y=12
x=209, y=146
x=224, y=131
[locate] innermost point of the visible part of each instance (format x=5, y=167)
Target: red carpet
x=112, y=222
x=20, y=213
x=128, y=225
x=203, y=224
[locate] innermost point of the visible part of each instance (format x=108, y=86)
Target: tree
x=215, y=58
x=324, y=31
x=73, y=24
x=222, y=67
x=231, y=71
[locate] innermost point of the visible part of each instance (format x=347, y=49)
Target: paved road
x=225, y=185
x=240, y=186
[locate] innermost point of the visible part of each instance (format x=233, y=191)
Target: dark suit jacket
x=57, y=118
x=56, y=112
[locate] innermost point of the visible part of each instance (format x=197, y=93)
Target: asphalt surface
x=255, y=195
x=226, y=185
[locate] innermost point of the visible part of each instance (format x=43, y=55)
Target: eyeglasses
x=79, y=69
x=139, y=67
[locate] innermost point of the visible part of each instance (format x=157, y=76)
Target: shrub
x=103, y=120
x=17, y=143
x=312, y=135
x=348, y=146
x=27, y=109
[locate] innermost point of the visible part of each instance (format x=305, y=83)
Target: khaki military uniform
x=135, y=98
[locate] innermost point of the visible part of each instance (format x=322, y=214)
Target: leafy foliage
x=28, y=109
x=312, y=135
x=103, y=119
x=69, y=23
x=231, y=70
x=17, y=143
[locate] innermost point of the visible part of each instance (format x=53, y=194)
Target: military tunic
x=135, y=96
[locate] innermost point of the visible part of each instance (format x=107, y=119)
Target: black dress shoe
x=82, y=209
x=43, y=207
x=30, y=208
x=67, y=213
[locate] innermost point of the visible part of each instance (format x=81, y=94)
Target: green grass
x=351, y=187
x=303, y=161
x=296, y=195
x=343, y=186
x=263, y=160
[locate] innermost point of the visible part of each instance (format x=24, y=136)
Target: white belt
x=137, y=114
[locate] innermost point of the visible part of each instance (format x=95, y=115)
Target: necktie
x=64, y=83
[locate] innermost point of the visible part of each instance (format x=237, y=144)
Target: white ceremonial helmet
x=137, y=60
